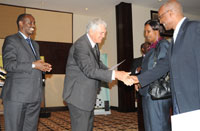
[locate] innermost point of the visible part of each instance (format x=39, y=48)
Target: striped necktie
x=30, y=44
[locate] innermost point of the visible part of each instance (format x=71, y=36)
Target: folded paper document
x=115, y=66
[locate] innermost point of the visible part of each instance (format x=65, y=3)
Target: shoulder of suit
x=191, y=24
x=194, y=26
x=164, y=42
x=13, y=36
x=82, y=38
x=82, y=42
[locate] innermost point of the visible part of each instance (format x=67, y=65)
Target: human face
x=27, y=26
x=98, y=34
x=165, y=18
x=150, y=34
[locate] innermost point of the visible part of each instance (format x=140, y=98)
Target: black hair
x=155, y=24
x=21, y=18
x=143, y=44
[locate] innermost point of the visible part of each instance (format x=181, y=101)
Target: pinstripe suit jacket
x=22, y=84
x=83, y=74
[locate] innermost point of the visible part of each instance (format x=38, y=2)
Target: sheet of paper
x=115, y=66
x=189, y=121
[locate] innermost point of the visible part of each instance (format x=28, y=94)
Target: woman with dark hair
x=156, y=113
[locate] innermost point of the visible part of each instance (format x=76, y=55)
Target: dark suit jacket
x=22, y=84
x=137, y=62
x=83, y=75
x=148, y=61
x=183, y=62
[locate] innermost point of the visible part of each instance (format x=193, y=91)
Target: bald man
x=183, y=59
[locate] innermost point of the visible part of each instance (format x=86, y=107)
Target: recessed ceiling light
x=86, y=9
x=159, y=0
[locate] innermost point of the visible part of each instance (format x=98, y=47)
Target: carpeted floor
x=60, y=121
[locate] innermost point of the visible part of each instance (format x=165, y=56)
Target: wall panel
x=52, y=26
x=8, y=15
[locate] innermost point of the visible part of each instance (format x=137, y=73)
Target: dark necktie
x=96, y=50
x=30, y=44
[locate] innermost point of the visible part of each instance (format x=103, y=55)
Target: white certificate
x=189, y=121
x=115, y=66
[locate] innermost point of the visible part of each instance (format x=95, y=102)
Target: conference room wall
x=8, y=15
x=52, y=26
x=140, y=15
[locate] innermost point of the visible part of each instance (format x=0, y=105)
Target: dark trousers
x=21, y=116
x=81, y=120
x=140, y=113
x=156, y=114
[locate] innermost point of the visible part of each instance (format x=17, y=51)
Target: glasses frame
x=165, y=33
x=163, y=14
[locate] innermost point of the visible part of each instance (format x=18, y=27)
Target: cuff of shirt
x=113, y=75
x=136, y=72
x=33, y=65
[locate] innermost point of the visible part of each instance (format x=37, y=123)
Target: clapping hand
x=43, y=66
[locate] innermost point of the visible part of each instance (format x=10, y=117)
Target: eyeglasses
x=161, y=16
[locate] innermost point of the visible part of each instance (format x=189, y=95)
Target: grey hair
x=93, y=24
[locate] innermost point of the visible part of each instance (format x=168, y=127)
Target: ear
x=20, y=23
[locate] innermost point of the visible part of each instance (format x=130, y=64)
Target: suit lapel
x=91, y=49
x=36, y=49
x=26, y=46
x=180, y=36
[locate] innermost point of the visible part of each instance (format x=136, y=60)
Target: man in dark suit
x=135, y=70
x=183, y=59
x=137, y=62
x=22, y=91
x=84, y=71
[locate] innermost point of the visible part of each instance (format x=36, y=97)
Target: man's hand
x=43, y=66
x=135, y=79
x=124, y=77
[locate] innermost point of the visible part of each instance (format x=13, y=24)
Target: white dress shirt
x=177, y=28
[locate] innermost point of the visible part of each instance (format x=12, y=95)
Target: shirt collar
x=177, y=28
x=23, y=35
x=153, y=45
x=91, y=42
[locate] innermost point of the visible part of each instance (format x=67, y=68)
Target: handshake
x=126, y=78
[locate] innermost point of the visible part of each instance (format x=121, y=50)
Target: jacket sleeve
x=161, y=68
